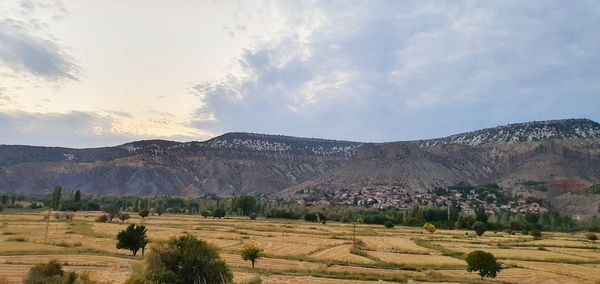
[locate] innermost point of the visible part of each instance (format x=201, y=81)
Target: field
x=298, y=252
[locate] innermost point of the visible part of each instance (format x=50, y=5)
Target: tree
x=144, y=213
x=124, y=216
x=133, y=238
x=252, y=253
x=112, y=211
x=537, y=235
x=429, y=228
x=483, y=262
x=389, y=224
x=205, y=213
x=592, y=237
x=479, y=228
x=77, y=197
x=56, y=196
x=4, y=199
x=246, y=203
x=159, y=210
x=181, y=260
x=219, y=213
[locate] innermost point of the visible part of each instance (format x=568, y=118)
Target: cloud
x=73, y=129
x=25, y=49
x=381, y=71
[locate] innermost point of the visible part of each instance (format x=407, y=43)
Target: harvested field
x=341, y=254
x=296, y=251
x=416, y=259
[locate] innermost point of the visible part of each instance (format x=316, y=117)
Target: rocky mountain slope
x=563, y=153
x=522, y=132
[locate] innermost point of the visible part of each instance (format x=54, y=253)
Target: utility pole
x=47, y=224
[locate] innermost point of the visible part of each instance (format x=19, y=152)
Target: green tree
x=77, y=196
x=537, y=235
x=388, y=224
x=144, y=213
x=4, y=199
x=479, y=228
x=181, y=260
x=252, y=253
x=246, y=203
x=56, y=196
x=219, y=213
x=205, y=213
x=592, y=237
x=483, y=262
x=133, y=238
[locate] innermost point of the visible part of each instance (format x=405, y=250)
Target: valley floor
x=299, y=252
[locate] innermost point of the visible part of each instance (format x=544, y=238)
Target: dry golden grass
x=342, y=254
x=286, y=279
x=575, y=272
x=392, y=243
x=415, y=259
x=280, y=248
x=235, y=260
x=516, y=275
x=526, y=254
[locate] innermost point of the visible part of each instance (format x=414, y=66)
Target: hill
x=564, y=154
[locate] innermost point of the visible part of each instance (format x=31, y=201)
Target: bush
x=429, y=228
x=52, y=273
x=219, y=213
x=592, y=237
x=389, y=224
x=252, y=216
x=483, y=262
x=182, y=260
x=537, y=235
x=144, y=213
x=124, y=216
x=102, y=218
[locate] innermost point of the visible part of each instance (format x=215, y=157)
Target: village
x=398, y=197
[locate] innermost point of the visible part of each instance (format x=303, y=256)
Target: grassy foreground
x=298, y=252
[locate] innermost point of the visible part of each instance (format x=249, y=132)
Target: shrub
x=537, y=235
x=483, y=262
x=102, y=218
x=252, y=216
x=53, y=273
x=429, y=228
x=144, y=213
x=389, y=224
x=252, y=253
x=219, y=213
x=181, y=260
x=123, y=217
x=592, y=237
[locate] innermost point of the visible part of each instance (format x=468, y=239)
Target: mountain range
x=564, y=154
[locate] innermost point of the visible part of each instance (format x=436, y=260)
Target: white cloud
x=25, y=46
x=405, y=70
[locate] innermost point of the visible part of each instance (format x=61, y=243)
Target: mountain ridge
x=250, y=163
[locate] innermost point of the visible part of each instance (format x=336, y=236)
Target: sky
x=101, y=73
